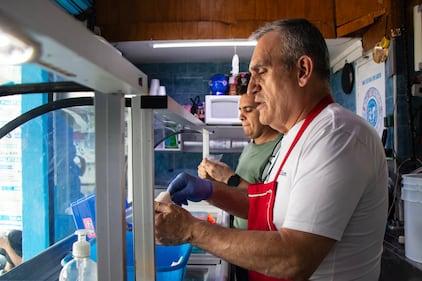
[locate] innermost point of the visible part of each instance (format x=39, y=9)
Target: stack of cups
x=156, y=89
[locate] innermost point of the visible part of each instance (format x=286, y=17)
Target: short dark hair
x=300, y=37
x=15, y=241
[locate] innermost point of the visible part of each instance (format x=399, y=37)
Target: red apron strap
x=262, y=195
x=311, y=116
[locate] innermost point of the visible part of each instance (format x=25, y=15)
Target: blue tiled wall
x=184, y=81
x=170, y=164
x=347, y=100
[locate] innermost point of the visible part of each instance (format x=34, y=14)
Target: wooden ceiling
x=135, y=20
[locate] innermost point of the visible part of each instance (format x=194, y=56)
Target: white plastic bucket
x=412, y=196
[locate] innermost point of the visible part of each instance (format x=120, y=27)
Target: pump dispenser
x=81, y=267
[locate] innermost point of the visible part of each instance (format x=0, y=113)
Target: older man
x=321, y=215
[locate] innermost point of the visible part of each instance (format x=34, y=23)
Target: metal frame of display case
x=106, y=136
x=97, y=65
x=69, y=49
x=143, y=110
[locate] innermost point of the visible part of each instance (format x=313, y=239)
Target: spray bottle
x=81, y=267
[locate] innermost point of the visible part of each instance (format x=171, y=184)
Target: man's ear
x=305, y=68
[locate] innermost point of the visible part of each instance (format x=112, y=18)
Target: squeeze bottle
x=81, y=267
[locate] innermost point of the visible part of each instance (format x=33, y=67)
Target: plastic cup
x=155, y=85
x=162, y=91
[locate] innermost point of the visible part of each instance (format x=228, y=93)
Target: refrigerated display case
x=118, y=109
x=98, y=66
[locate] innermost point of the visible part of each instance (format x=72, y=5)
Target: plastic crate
x=83, y=211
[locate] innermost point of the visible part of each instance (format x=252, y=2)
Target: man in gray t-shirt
x=252, y=161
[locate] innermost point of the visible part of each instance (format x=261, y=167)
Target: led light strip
x=189, y=44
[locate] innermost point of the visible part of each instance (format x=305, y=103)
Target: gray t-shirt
x=252, y=162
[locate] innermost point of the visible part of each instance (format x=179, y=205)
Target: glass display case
x=96, y=65
x=78, y=121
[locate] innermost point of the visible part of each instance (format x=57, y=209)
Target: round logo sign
x=372, y=109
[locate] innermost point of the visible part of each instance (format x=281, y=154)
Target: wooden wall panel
x=193, y=29
x=144, y=10
x=289, y=10
x=103, y=13
x=204, y=29
x=268, y=10
x=163, y=30
x=244, y=29
x=244, y=10
x=138, y=11
x=138, y=20
x=124, y=11
x=126, y=20
x=322, y=10
x=142, y=31
x=370, y=20
x=347, y=11
x=374, y=34
x=221, y=30
x=327, y=28
x=224, y=11
x=192, y=9
x=171, y=11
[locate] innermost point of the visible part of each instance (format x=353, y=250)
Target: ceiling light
x=190, y=44
x=14, y=48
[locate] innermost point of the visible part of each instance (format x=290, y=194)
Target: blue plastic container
x=170, y=261
x=219, y=84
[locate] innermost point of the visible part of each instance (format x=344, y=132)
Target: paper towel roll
x=164, y=197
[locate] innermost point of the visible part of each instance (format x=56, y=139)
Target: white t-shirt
x=334, y=184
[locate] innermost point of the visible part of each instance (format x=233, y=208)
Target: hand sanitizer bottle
x=81, y=267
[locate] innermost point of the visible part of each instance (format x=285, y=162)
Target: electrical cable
x=412, y=129
x=42, y=109
x=183, y=131
x=413, y=160
x=397, y=190
x=48, y=107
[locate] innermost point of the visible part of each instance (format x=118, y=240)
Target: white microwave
x=222, y=110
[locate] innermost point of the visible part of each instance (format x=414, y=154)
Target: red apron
x=262, y=195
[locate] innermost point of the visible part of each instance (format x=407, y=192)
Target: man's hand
x=218, y=171
x=187, y=187
x=172, y=224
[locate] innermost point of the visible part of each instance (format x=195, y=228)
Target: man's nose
x=252, y=86
x=241, y=115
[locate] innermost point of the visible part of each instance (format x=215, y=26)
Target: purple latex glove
x=187, y=187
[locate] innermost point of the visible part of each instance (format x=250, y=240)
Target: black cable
x=42, y=109
x=45, y=108
x=64, y=103
x=412, y=129
x=42, y=87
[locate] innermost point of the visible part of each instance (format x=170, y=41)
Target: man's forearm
x=232, y=200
